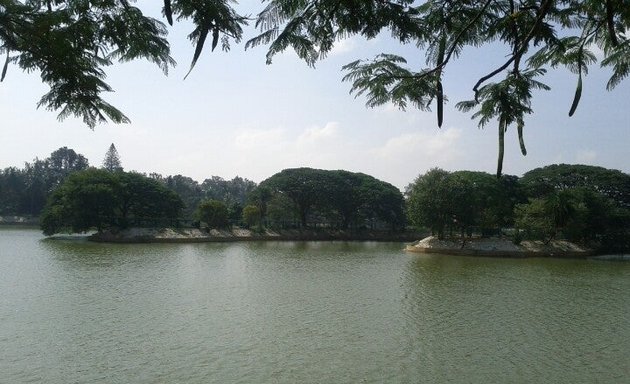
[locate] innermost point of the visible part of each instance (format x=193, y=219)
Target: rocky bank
x=499, y=247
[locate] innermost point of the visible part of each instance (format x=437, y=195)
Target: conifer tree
x=112, y=160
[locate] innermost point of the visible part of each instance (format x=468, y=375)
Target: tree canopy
x=71, y=42
x=96, y=198
x=24, y=191
x=337, y=198
x=612, y=183
x=213, y=213
x=462, y=200
x=576, y=202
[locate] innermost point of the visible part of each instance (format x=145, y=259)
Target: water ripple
x=75, y=312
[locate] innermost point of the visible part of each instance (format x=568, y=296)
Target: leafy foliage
x=96, y=198
x=251, y=215
x=444, y=201
x=576, y=202
x=537, y=35
x=611, y=183
x=213, y=213
x=338, y=199
x=24, y=191
x=71, y=42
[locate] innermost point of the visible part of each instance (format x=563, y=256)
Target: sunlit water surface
x=304, y=312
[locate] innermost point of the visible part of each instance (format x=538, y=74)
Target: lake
x=304, y=312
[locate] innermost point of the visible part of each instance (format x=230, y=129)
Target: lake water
x=304, y=312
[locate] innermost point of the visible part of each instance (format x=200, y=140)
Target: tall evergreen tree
x=112, y=160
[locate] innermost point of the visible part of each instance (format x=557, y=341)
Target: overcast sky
x=235, y=115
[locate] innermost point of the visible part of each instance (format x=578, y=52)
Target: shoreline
x=190, y=235
x=501, y=247
x=473, y=247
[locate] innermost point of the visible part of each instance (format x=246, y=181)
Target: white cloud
x=431, y=146
x=317, y=134
x=404, y=157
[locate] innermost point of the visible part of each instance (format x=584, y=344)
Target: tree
x=96, y=198
x=86, y=200
x=534, y=218
x=24, y=192
x=228, y=191
x=188, y=189
x=214, y=213
x=12, y=190
x=488, y=201
x=251, y=215
x=427, y=202
x=111, y=162
x=380, y=202
x=339, y=199
x=543, y=181
x=71, y=42
x=461, y=200
x=62, y=163
x=143, y=198
x=301, y=185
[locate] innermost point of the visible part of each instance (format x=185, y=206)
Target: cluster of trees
x=580, y=203
x=71, y=43
x=23, y=191
x=232, y=193
x=292, y=198
x=98, y=198
x=303, y=197
x=448, y=202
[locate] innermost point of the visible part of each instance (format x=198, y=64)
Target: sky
x=236, y=116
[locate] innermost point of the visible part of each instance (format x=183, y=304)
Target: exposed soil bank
x=190, y=235
x=499, y=247
x=19, y=220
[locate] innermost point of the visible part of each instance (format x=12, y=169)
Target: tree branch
x=542, y=12
x=610, y=21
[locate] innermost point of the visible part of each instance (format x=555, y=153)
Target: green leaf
x=502, y=128
x=215, y=38
x=440, y=103
x=5, y=67
x=519, y=128
x=200, y=41
x=168, y=11
x=578, y=95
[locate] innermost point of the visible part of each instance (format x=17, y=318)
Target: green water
x=304, y=312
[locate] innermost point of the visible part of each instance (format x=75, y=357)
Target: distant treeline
x=24, y=191
x=581, y=203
